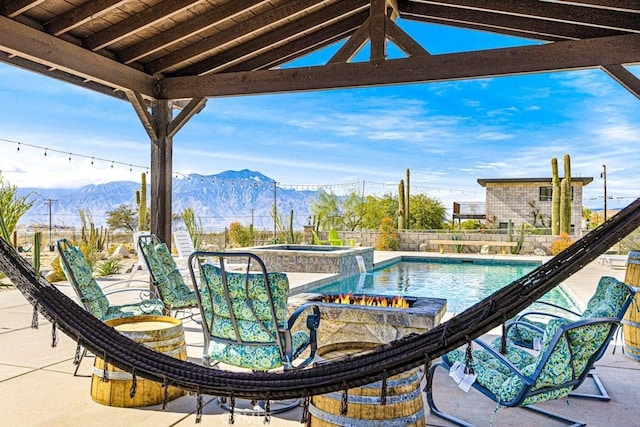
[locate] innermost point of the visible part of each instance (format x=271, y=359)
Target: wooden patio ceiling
x=167, y=54
x=181, y=49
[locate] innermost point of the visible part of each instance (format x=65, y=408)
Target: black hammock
x=350, y=371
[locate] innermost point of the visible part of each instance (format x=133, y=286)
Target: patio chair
x=318, y=241
x=521, y=379
x=93, y=297
x=527, y=329
x=245, y=319
x=166, y=278
x=336, y=240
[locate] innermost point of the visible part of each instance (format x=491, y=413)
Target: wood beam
x=621, y=5
x=565, y=55
x=79, y=15
x=273, y=18
x=615, y=20
x=24, y=41
x=352, y=46
x=519, y=26
x=11, y=9
x=192, y=108
x=140, y=107
x=377, y=32
x=302, y=46
x=187, y=29
x=403, y=40
x=137, y=22
x=278, y=37
x=626, y=78
x=161, y=172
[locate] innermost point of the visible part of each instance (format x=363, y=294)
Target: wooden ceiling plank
x=192, y=108
x=304, y=45
x=37, y=46
x=140, y=107
x=403, y=40
x=11, y=9
x=352, y=46
x=622, y=21
x=504, y=24
x=273, y=39
x=624, y=77
x=79, y=15
x=137, y=22
x=565, y=55
x=187, y=29
x=621, y=5
x=377, y=32
x=287, y=11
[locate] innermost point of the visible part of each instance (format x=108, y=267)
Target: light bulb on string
x=18, y=146
x=45, y=152
x=92, y=160
x=112, y=165
x=69, y=156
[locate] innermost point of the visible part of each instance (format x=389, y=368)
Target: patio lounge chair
x=520, y=379
x=166, y=278
x=527, y=329
x=336, y=240
x=245, y=320
x=92, y=296
x=318, y=241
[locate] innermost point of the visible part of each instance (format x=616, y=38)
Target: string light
x=45, y=152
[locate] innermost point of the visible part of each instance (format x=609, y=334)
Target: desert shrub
x=240, y=236
x=388, y=239
x=56, y=275
x=561, y=243
x=108, y=267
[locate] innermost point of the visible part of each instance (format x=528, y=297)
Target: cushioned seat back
x=247, y=301
x=79, y=274
x=611, y=299
x=163, y=268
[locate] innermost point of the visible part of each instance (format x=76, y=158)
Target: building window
x=547, y=191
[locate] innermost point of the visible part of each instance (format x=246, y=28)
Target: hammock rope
x=351, y=371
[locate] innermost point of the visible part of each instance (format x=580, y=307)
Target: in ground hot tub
x=342, y=260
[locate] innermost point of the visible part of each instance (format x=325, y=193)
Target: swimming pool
x=463, y=282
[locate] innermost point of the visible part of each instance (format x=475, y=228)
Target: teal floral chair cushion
x=609, y=299
x=167, y=278
x=254, y=346
x=78, y=273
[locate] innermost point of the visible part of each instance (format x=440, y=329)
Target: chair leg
x=602, y=394
x=432, y=406
x=570, y=421
x=81, y=353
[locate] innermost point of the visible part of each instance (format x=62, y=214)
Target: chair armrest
x=556, y=306
x=526, y=325
x=313, y=323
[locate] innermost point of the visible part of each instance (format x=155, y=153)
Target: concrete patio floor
x=38, y=387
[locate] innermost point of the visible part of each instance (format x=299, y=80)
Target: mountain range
x=217, y=200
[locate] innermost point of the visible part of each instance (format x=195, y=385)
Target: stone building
x=528, y=200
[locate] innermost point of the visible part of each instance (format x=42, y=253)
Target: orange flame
x=371, y=301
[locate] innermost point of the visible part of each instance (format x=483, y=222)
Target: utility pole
x=604, y=173
x=50, y=203
x=275, y=207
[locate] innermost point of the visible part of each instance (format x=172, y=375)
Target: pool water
x=462, y=282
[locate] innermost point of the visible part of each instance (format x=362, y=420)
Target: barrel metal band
x=346, y=421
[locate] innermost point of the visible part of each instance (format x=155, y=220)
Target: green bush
x=108, y=267
x=388, y=239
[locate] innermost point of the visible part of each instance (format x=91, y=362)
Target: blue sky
x=448, y=134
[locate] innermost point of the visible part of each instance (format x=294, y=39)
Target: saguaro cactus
x=565, y=197
x=141, y=201
x=407, y=221
x=555, y=198
x=401, y=205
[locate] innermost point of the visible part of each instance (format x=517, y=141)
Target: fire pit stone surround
x=357, y=323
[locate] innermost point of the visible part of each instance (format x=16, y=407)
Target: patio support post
x=161, y=170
